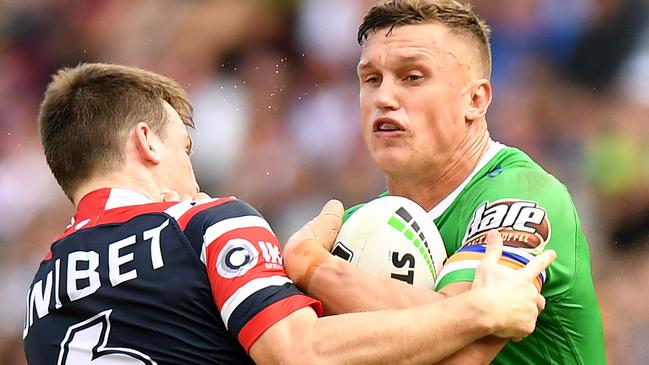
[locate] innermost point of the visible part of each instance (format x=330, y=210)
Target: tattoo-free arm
x=482, y=351
x=411, y=336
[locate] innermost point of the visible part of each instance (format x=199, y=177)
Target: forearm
x=481, y=352
x=342, y=288
x=425, y=334
x=336, y=284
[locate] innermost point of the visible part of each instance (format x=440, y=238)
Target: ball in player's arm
x=366, y=334
x=424, y=75
x=134, y=279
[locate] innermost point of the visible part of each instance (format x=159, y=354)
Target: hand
x=310, y=245
x=174, y=196
x=515, y=302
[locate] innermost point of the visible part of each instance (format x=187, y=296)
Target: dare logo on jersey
x=521, y=224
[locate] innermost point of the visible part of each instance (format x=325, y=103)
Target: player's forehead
x=425, y=42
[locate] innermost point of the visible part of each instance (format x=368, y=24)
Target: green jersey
x=533, y=211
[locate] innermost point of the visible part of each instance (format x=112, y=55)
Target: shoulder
x=515, y=174
x=211, y=211
x=519, y=198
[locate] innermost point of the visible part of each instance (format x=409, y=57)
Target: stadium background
x=274, y=88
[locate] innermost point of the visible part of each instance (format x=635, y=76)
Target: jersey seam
x=573, y=277
x=189, y=246
x=562, y=294
x=570, y=344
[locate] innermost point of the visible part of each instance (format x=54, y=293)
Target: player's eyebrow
x=412, y=59
x=402, y=60
x=364, y=66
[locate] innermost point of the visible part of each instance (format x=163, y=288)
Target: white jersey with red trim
x=137, y=282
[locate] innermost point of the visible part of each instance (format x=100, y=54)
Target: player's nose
x=386, y=97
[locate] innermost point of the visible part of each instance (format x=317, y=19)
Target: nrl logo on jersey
x=521, y=224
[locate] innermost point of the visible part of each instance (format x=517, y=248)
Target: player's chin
x=387, y=158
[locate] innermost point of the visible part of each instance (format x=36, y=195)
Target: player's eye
x=414, y=77
x=371, y=79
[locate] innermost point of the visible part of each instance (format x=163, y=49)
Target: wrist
x=481, y=306
x=303, y=261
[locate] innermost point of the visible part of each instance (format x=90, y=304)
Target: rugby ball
x=393, y=236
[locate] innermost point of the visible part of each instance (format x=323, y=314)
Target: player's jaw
x=387, y=140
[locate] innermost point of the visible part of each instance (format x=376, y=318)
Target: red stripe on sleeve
x=222, y=287
x=273, y=314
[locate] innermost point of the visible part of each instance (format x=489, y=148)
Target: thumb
x=494, y=247
x=201, y=196
x=327, y=224
x=535, y=267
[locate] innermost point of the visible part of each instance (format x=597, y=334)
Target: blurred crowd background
x=275, y=94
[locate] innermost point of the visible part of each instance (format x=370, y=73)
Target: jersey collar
x=93, y=205
x=439, y=209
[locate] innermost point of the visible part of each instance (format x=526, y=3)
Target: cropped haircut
x=88, y=111
x=459, y=18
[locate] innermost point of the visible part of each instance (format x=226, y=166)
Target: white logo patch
x=236, y=258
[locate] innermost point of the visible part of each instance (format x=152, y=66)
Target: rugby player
x=424, y=75
x=137, y=280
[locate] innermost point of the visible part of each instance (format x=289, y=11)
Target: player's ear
x=147, y=143
x=480, y=100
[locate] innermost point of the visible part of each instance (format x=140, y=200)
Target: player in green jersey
x=424, y=93
x=507, y=191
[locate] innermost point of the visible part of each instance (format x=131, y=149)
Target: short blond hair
x=458, y=17
x=88, y=110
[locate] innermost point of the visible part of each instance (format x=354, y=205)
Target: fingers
x=327, y=224
x=494, y=247
x=333, y=209
x=173, y=196
x=540, y=303
x=535, y=267
x=201, y=196
x=310, y=245
x=170, y=196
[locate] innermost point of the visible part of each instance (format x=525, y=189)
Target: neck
x=140, y=184
x=433, y=184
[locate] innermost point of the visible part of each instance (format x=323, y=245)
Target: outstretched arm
x=413, y=336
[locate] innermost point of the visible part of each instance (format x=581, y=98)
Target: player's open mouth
x=387, y=125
